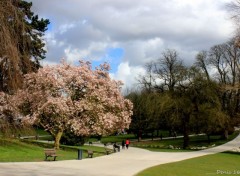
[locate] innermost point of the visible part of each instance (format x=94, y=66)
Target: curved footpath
x=125, y=163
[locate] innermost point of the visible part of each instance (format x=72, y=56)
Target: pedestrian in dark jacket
x=123, y=144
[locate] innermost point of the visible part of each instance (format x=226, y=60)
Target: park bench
x=50, y=153
x=108, y=151
x=90, y=153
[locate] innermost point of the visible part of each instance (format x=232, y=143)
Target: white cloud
x=65, y=27
x=142, y=51
x=128, y=75
x=142, y=28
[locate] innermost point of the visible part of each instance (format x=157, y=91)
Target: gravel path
x=124, y=163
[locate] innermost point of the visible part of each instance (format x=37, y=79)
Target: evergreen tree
x=21, y=43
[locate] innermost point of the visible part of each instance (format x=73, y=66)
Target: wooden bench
x=108, y=151
x=90, y=153
x=50, y=153
x=107, y=144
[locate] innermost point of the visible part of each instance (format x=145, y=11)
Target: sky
x=130, y=33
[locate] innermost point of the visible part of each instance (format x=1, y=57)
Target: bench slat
x=90, y=153
x=50, y=153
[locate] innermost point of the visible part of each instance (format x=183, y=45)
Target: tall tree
x=202, y=62
x=139, y=119
x=148, y=81
x=21, y=42
x=74, y=98
x=225, y=59
x=234, y=9
x=146, y=112
x=188, y=93
x=169, y=69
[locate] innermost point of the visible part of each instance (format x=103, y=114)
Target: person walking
x=123, y=144
x=127, y=143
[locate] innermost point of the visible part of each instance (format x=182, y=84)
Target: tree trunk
x=208, y=136
x=57, y=139
x=237, y=102
x=185, y=140
x=186, y=119
x=139, y=135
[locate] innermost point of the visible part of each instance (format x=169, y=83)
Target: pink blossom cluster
x=77, y=98
x=5, y=100
x=8, y=110
x=3, y=104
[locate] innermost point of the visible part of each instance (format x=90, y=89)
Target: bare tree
x=202, y=62
x=234, y=10
x=148, y=81
x=225, y=58
x=231, y=55
x=169, y=68
x=217, y=61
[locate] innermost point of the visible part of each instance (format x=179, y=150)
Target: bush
x=69, y=138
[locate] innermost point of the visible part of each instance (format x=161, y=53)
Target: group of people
x=125, y=143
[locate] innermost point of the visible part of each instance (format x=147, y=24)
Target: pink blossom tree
x=9, y=116
x=77, y=98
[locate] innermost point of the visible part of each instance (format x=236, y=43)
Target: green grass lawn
x=13, y=150
x=32, y=150
x=195, y=141
x=217, y=164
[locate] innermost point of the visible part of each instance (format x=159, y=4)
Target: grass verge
x=218, y=164
x=13, y=150
x=177, y=143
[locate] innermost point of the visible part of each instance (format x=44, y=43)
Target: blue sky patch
x=113, y=57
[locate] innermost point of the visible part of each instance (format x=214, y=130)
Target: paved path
x=124, y=163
